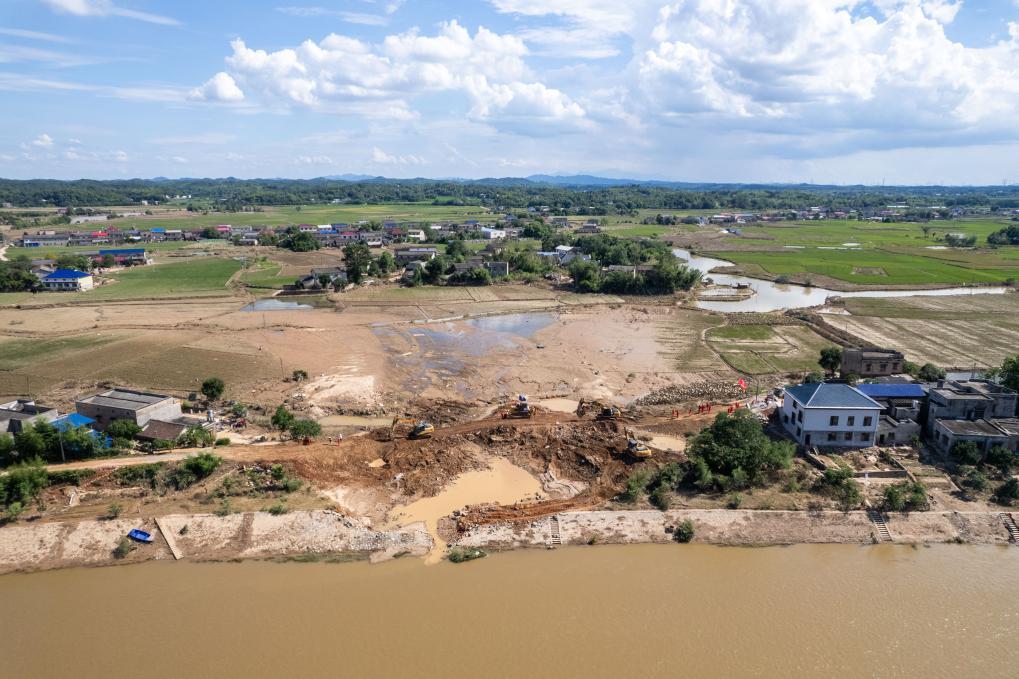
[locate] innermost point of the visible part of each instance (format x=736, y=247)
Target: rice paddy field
x=963, y=331
x=766, y=349
x=871, y=253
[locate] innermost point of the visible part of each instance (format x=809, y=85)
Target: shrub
x=735, y=500
x=636, y=485
x=278, y=509
x=966, y=453
x=660, y=498
x=734, y=452
x=1001, y=459
x=683, y=531
x=123, y=548
x=1008, y=492
x=973, y=478
x=114, y=510
x=292, y=485
x=196, y=437
x=71, y=477
x=223, y=442
x=300, y=429
x=213, y=388
x=906, y=496
x=838, y=483
x=462, y=554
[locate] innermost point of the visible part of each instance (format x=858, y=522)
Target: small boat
x=139, y=535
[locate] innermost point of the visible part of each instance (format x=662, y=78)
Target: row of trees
x=236, y=194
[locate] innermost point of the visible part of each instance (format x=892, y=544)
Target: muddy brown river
x=604, y=611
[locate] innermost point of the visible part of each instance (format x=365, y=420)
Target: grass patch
x=18, y=353
x=742, y=332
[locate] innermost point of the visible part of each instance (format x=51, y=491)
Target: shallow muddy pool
x=504, y=483
x=354, y=421
x=275, y=305
x=668, y=611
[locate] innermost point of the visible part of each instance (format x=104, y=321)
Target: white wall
x=817, y=423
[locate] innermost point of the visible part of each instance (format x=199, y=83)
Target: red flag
x=742, y=384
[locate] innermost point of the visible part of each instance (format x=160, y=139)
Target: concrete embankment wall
x=38, y=546
x=742, y=527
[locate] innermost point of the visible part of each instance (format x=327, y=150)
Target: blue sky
x=825, y=91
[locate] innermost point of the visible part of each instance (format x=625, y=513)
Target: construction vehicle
x=602, y=410
x=635, y=448
x=521, y=409
x=418, y=429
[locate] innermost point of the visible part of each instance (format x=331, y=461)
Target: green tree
x=457, y=250
x=282, y=418
x=357, y=257
x=636, y=485
x=813, y=378
x=906, y=496
x=1008, y=492
x=735, y=446
x=300, y=241
x=196, y=437
x=301, y=429
x=967, y=453
x=684, y=531
x=213, y=388
x=299, y=375
x=386, y=262
x=831, y=359
x=123, y=431
x=435, y=269
x=929, y=372
x=1000, y=458
x=109, y=261
x=838, y=483
x=7, y=449
x=22, y=484
x=1009, y=372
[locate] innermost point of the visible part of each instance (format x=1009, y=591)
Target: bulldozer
x=520, y=409
x=418, y=429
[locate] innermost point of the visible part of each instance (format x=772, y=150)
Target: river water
x=604, y=611
x=775, y=296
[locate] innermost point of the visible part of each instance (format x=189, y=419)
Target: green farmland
x=198, y=277
x=872, y=253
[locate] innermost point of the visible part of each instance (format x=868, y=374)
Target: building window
x=867, y=421
x=799, y=416
x=870, y=367
x=865, y=436
x=884, y=367
x=848, y=436
x=785, y=417
x=850, y=421
x=833, y=420
x=832, y=436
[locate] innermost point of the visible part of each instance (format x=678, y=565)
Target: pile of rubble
x=714, y=391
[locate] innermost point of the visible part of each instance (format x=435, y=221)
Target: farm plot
x=682, y=339
x=961, y=331
x=763, y=349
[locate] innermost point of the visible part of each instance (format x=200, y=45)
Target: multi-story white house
x=822, y=414
x=68, y=280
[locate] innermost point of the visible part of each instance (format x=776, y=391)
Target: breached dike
x=249, y=535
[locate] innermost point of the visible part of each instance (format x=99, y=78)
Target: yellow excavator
x=603, y=411
x=636, y=448
x=417, y=429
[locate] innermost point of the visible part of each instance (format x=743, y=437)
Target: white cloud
x=381, y=157
x=314, y=160
x=103, y=8
x=200, y=138
x=179, y=159
x=43, y=141
x=347, y=75
x=34, y=35
x=362, y=18
x=220, y=87
x=120, y=156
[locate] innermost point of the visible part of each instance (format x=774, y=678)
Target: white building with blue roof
x=68, y=280
x=830, y=415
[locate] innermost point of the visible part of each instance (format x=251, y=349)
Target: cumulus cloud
x=819, y=63
x=42, y=141
x=380, y=156
x=381, y=79
x=220, y=87
x=103, y=8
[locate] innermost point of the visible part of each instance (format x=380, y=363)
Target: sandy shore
x=250, y=535
x=742, y=527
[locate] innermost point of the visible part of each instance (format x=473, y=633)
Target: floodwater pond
x=275, y=305
x=778, y=296
x=947, y=611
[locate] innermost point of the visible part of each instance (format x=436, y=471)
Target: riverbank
x=732, y=527
x=206, y=537
x=328, y=535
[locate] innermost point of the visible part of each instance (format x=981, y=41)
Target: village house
x=871, y=362
x=68, y=280
x=493, y=234
x=18, y=414
x=126, y=404
x=969, y=400
x=589, y=228
x=835, y=415
x=319, y=279
x=900, y=418
x=414, y=253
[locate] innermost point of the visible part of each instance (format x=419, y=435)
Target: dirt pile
x=714, y=391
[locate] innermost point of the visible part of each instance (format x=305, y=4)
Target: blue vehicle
x=139, y=535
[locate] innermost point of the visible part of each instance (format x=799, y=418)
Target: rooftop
x=1009, y=425
x=68, y=273
x=124, y=398
x=891, y=390
x=835, y=395
x=970, y=427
